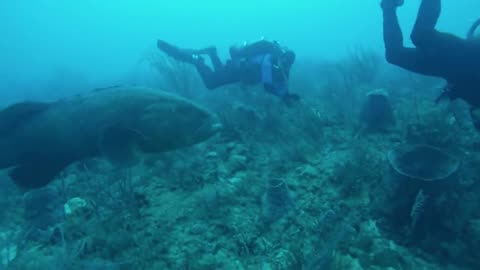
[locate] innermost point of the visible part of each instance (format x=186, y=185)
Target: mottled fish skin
x=43, y=140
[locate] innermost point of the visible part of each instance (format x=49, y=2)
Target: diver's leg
x=190, y=55
x=214, y=79
x=392, y=33
x=427, y=18
x=395, y=51
x=212, y=53
x=447, y=55
x=207, y=75
x=425, y=36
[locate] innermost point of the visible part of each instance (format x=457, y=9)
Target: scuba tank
x=248, y=50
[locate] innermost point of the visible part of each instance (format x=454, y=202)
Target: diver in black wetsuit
x=260, y=62
x=438, y=54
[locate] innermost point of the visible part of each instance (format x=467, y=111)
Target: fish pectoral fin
x=35, y=175
x=118, y=145
x=18, y=113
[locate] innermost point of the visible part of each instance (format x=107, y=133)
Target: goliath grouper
x=38, y=140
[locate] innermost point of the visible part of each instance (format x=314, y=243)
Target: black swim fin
x=184, y=55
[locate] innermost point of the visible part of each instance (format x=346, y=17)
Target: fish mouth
x=198, y=134
x=206, y=130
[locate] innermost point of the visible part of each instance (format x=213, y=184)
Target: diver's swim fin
x=184, y=55
x=174, y=51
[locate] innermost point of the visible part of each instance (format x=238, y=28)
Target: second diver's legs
x=392, y=33
x=212, y=53
x=427, y=18
x=221, y=74
x=190, y=55
x=446, y=54
x=395, y=51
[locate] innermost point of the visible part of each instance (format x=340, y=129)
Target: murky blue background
x=98, y=43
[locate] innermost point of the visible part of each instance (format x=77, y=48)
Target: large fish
x=38, y=140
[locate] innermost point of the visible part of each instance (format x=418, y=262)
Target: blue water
x=99, y=43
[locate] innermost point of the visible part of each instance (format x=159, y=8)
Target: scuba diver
x=260, y=62
x=438, y=54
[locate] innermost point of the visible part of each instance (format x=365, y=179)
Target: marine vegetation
x=41, y=139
